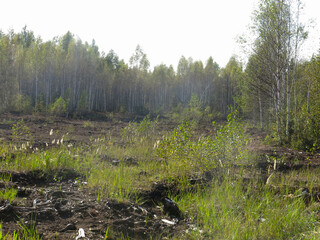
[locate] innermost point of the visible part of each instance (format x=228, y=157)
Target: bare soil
x=60, y=208
x=287, y=158
x=60, y=204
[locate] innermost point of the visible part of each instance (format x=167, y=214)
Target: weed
x=88, y=124
x=8, y=194
x=26, y=232
x=226, y=148
x=139, y=132
x=5, y=177
x=230, y=211
x=20, y=130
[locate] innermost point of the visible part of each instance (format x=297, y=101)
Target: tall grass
x=26, y=232
x=232, y=210
x=8, y=194
x=49, y=159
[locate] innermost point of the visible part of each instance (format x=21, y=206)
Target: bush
x=138, y=132
x=20, y=130
x=59, y=107
x=21, y=103
x=226, y=148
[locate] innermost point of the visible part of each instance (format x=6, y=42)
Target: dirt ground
x=287, y=158
x=60, y=208
x=76, y=130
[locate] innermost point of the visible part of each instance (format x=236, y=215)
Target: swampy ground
x=125, y=178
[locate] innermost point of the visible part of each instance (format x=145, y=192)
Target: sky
x=165, y=29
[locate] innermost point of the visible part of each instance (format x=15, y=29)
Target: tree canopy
x=275, y=89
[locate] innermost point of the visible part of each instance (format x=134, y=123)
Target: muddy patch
x=58, y=209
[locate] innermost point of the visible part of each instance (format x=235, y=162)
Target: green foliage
x=226, y=148
x=141, y=110
x=21, y=103
x=145, y=130
x=176, y=145
x=26, y=232
x=59, y=107
x=194, y=110
x=83, y=103
x=92, y=81
x=40, y=106
x=230, y=142
x=139, y=60
x=20, y=130
x=227, y=208
x=232, y=209
x=49, y=160
x=194, y=113
x=308, y=126
x=88, y=124
x=272, y=138
x=8, y=194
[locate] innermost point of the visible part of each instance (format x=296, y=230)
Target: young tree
x=139, y=60
x=276, y=47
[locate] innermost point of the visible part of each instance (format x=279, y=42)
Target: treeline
x=276, y=89
x=69, y=76
x=281, y=92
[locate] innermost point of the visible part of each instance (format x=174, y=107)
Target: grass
x=305, y=177
x=41, y=160
x=232, y=210
x=226, y=208
x=25, y=232
x=8, y=194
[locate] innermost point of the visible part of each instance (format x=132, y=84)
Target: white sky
x=165, y=29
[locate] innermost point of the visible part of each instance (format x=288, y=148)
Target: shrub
x=20, y=130
x=59, y=107
x=139, y=132
x=21, y=103
x=226, y=148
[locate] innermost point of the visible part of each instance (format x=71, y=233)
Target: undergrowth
x=24, y=233
x=232, y=209
x=226, y=208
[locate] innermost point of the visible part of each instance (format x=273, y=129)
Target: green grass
x=24, y=233
x=226, y=208
x=8, y=194
x=304, y=177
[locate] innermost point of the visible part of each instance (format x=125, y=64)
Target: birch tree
x=276, y=23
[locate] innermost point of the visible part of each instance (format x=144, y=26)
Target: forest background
x=275, y=89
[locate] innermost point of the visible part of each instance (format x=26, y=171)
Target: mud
x=59, y=209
